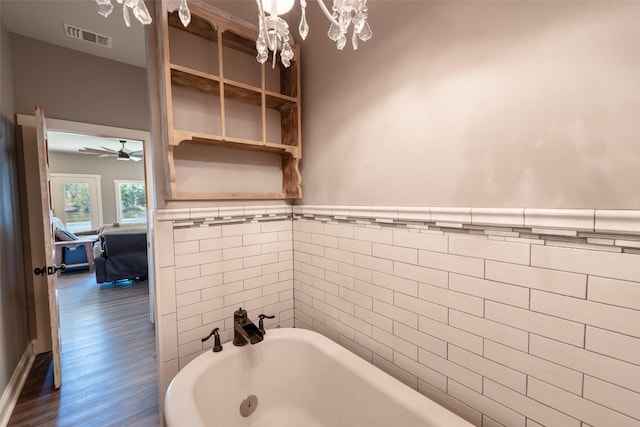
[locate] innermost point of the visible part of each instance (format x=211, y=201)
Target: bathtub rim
x=403, y=395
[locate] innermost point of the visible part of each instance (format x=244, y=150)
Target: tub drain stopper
x=248, y=405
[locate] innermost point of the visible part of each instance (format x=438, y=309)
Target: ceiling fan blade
x=122, y=154
x=88, y=150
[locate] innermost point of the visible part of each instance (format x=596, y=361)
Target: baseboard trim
x=11, y=393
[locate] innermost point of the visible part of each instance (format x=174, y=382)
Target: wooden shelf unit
x=229, y=36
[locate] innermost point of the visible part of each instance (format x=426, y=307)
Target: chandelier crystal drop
x=345, y=13
x=184, y=13
x=303, y=28
x=140, y=11
x=273, y=31
x=273, y=34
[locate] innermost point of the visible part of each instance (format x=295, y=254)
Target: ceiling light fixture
x=273, y=31
x=121, y=154
x=140, y=11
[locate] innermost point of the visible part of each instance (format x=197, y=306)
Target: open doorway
x=91, y=149
x=101, y=312
x=99, y=206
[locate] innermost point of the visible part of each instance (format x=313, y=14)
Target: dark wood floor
x=109, y=372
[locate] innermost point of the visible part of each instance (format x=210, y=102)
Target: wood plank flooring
x=109, y=372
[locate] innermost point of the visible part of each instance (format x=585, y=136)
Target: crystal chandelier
x=105, y=7
x=273, y=31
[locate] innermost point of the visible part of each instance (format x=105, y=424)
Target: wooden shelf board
x=291, y=149
x=243, y=92
x=279, y=101
x=185, y=77
x=284, y=97
x=180, y=136
x=253, y=95
x=190, y=71
x=210, y=83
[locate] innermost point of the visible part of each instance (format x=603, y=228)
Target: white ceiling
x=71, y=143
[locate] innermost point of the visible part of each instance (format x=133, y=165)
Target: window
x=131, y=203
x=77, y=200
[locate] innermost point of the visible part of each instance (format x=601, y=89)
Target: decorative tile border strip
x=616, y=221
x=573, y=219
x=193, y=217
x=617, y=231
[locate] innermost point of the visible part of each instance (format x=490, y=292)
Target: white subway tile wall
x=514, y=317
x=502, y=326
x=207, y=271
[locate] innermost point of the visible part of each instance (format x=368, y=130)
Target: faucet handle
x=261, y=322
x=216, y=343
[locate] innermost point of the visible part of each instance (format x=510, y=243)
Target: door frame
x=28, y=121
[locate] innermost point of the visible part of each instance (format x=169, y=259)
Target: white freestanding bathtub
x=300, y=378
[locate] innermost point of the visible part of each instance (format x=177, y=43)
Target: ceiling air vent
x=88, y=36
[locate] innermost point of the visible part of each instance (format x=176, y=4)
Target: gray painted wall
x=72, y=86
x=476, y=104
x=109, y=168
x=14, y=326
x=75, y=86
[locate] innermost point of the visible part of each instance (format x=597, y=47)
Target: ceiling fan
x=121, y=154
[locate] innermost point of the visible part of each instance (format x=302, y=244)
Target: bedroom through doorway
x=99, y=206
x=101, y=190
x=133, y=303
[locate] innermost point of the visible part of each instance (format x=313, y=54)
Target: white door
x=49, y=269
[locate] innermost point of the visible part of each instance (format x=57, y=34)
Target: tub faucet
x=216, y=342
x=244, y=330
x=261, y=322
